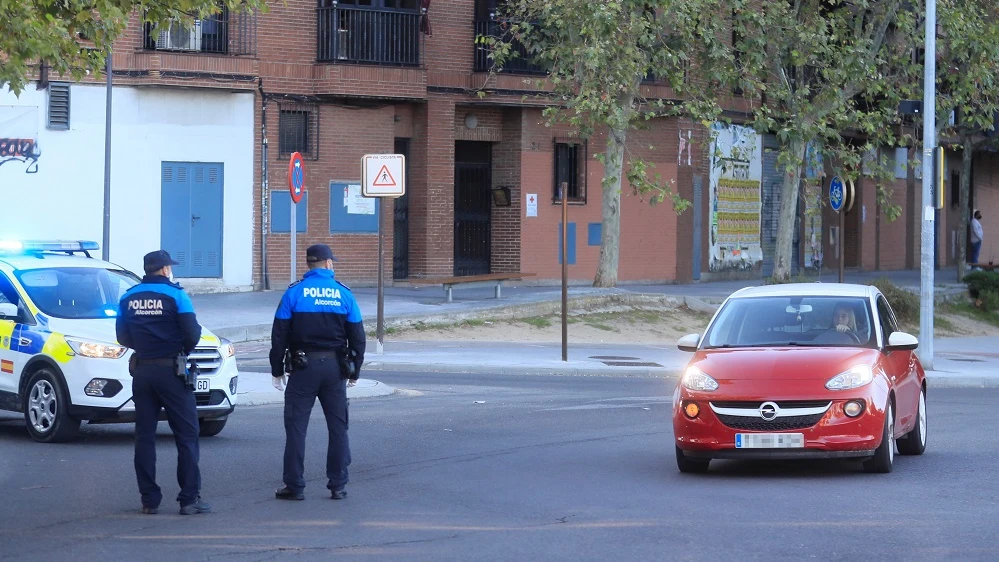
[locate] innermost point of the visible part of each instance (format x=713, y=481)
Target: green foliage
x=903, y=302
x=981, y=281
x=988, y=301
x=73, y=36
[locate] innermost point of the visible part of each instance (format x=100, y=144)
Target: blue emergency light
x=32, y=246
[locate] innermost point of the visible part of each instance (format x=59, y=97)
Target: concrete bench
x=449, y=283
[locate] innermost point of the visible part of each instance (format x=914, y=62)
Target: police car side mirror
x=8, y=310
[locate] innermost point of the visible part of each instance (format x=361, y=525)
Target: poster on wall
x=734, y=198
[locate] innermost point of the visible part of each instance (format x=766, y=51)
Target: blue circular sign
x=837, y=194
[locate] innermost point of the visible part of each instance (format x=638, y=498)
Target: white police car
x=60, y=362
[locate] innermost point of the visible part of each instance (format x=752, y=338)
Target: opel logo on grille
x=769, y=410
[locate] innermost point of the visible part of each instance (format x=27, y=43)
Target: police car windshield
x=76, y=292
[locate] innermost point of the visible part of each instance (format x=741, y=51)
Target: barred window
x=299, y=130
x=570, y=168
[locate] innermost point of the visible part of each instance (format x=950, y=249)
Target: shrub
x=979, y=281
x=903, y=302
x=988, y=300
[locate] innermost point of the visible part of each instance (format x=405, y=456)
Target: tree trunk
x=610, y=242
x=962, y=234
x=786, y=222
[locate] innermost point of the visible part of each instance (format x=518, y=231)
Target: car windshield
x=792, y=321
x=77, y=292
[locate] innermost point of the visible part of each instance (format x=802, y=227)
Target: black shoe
x=196, y=508
x=146, y=510
x=338, y=494
x=287, y=493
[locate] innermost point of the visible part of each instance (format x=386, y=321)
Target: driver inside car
x=844, y=319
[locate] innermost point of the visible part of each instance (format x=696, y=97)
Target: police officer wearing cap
x=318, y=337
x=156, y=319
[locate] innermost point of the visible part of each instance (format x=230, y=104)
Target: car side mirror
x=901, y=341
x=8, y=310
x=689, y=342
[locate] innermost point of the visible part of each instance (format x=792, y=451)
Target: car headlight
x=96, y=349
x=696, y=379
x=853, y=378
x=227, y=349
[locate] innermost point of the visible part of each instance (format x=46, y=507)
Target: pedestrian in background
x=318, y=337
x=977, y=235
x=156, y=319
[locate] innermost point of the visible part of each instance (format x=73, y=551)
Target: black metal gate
x=400, y=243
x=472, y=205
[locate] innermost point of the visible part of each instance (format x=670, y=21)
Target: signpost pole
x=841, y=245
x=926, y=241
x=294, y=234
x=565, y=272
x=380, y=326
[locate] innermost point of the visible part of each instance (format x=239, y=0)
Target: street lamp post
x=107, y=165
x=926, y=232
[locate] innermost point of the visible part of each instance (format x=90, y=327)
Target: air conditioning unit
x=177, y=37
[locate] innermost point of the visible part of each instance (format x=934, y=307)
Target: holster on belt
x=348, y=368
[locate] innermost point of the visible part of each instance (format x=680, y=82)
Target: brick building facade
x=337, y=80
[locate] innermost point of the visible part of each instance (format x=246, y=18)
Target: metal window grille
x=229, y=32
x=570, y=167
x=58, y=117
x=299, y=130
x=381, y=32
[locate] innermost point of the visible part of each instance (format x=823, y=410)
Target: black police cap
x=157, y=260
x=319, y=252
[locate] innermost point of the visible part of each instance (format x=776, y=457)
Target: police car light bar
x=69, y=246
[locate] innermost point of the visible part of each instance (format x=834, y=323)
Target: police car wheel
x=46, y=409
x=211, y=428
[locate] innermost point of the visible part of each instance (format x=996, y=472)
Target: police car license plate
x=769, y=440
x=203, y=385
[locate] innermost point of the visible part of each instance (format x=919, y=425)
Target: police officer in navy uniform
x=157, y=320
x=319, y=334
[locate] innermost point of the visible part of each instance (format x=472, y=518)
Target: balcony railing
x=224, y=33
x=519, y=63
x=368, y=36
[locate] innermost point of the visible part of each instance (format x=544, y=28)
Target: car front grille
x=208, y=359
x=757, y=423
x=213, y=398
x=783, y=404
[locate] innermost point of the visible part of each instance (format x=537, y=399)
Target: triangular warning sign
x=384, y=178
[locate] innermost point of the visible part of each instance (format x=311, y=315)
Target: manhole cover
x=614, y=357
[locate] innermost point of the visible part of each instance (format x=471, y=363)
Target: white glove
x=280, y=382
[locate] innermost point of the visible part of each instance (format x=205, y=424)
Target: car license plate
x=769, y=440
x=203, y=385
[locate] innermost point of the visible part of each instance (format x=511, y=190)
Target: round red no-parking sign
x=296, y=177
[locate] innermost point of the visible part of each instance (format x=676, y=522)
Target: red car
x=801, y=371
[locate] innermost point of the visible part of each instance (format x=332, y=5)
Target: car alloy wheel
x=914, y=442
x=884, y=455
x=46, y=409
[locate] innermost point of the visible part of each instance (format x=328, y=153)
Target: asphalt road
x=565, y=468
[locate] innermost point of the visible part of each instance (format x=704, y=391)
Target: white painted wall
x=64, y=199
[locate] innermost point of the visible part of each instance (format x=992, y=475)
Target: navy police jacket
x=156, y=319
x=317, y=313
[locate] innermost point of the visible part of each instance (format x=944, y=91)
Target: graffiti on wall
x=20, y=150
x=734, y=198
x=19, y=137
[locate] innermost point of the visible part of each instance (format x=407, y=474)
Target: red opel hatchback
x=801, y=371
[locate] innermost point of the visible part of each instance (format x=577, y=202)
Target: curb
x=478, y=369
x=961, y=382
x=267, y=396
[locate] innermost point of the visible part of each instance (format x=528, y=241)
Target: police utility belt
x=298, y=360
x=183, y=368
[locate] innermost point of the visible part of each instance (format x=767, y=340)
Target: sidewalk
x=246, y=318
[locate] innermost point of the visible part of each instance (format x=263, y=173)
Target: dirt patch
x=613, y=325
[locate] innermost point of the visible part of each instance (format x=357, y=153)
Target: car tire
x=884, y=455
x=46, y=409
x=211, y=428
x=914, y=442
x=690, y=466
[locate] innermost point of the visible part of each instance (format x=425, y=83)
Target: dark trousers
x=319, y=379
x=976, y=248
x=155, y=387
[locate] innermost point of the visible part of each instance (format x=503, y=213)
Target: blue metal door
x=191, y=217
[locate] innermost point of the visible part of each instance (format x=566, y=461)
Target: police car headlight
x=227, y=349
x=96, y=349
